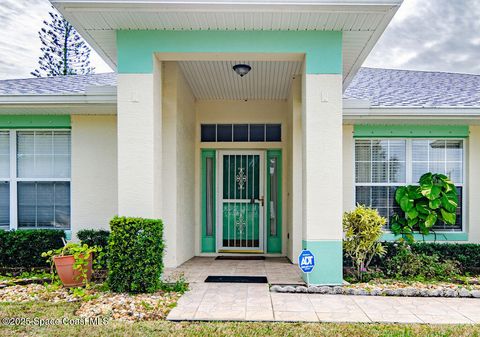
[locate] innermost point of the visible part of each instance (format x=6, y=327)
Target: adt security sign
x=306, y=261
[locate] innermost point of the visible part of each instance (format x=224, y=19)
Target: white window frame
x=14, y=180
x=409, y=173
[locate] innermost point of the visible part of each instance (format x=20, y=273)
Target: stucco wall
x=473, y=184
x=178, y=169
x=94, y=171
x=185, y=170
x=348, y=168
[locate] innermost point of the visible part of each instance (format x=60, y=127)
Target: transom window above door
x=241, y=133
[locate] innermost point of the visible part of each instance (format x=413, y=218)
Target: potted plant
x=73, y=263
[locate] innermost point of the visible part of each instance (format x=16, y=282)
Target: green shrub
x=467, y=254
x=98, y=238
x=409, y=264
x=23, y=248
x=363, y=228
x=135, y=255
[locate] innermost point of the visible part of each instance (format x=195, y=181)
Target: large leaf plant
x=434, y=199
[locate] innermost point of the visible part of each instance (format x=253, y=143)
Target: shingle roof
x=388, y=87
x=60, y=85
x=381, y=87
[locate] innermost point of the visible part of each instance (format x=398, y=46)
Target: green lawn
x=163, y=328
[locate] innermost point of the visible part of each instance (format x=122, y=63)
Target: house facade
x=259, y=163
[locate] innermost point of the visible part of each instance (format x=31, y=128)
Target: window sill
x=442, y=236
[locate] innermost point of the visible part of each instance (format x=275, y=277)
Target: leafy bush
x=434, y=199
x=135, y=257
x=23, y=248
x=408, y=264
x=98, y=238
x=363, y=228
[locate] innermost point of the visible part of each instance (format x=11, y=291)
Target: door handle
x=262, y=200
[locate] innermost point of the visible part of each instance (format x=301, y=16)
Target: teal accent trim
x=208, y=241
x=274, y=243
x=34, y=121
x=410, y=131
x=443, y=237
x=328, y=268
x=135, y=48
x=68, y=235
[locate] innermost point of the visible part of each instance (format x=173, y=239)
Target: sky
x=434, y=35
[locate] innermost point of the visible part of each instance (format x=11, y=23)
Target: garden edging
x=434, y=291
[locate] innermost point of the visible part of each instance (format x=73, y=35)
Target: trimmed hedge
x=467, y=254
x=94, y=237
x=135, y=255
x=23, y=248
x=99, y=238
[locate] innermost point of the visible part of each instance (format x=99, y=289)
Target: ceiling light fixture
x=242, y=69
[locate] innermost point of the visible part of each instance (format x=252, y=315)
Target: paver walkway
x=255, y=302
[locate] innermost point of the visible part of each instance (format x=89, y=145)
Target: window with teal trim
x=381, y=165
x=35, y=179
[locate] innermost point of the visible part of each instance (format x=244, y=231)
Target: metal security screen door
x=241, y=201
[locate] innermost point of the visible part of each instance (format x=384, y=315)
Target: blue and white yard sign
x=306, y=261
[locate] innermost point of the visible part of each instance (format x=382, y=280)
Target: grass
x=45, y=310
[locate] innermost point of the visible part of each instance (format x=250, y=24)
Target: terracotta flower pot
x=71, y=277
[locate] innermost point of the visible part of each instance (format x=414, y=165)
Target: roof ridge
x=422, y=71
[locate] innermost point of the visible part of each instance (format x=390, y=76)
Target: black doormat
x=240, y=258
x=236, y=279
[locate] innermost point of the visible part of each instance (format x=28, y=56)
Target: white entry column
x=140, y=144
x=322, y=175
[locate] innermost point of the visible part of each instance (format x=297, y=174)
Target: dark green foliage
x=94, y=237
x=135, y=256
x=467, y=254
x=434, y=199
x=99, y=238
x=23, y=248
x=409, y=264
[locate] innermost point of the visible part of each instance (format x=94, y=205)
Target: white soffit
x=362, y=21
x=268, y=80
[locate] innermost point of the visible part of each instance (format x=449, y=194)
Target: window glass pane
x=362, y=150
x=437, y=167
x=209, y=190
x=380, y=150
x=208, y=132
x=418, y=169
x=4, y=154
x=379, y=196
x=224, y=132
x=363, y=172
x=257, y=132
x=274, y=133
x=43, y=154
x=4, y=205
x=454, y=150
x=436, y=151
x=44, y=205
x=240, y=132
x=397, y=171
x=363, y=195
x=420, y=150
x=379, y=172
x=455, y=172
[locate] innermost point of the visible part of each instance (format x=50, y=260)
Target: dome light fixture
x=242, y=69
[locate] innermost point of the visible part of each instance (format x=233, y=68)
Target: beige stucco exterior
x=157, y=172
x=94, y=171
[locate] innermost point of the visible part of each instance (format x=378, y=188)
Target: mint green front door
x=241, y=201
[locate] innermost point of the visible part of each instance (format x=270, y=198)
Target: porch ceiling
x=361, y=21
x=214, y=80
